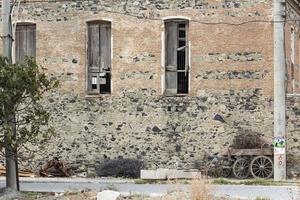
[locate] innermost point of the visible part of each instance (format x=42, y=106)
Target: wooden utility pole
x=10, y=150
x=279, y=91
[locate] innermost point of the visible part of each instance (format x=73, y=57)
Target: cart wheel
x=261, y=167
x=240, y=168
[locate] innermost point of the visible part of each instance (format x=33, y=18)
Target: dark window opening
x=182, y=33
x=183, y=82
x=182, y=43
x=105, y=83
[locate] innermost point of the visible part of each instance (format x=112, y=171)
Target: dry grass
x=200, y=190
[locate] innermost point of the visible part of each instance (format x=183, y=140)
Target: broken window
x=99, y=57
x=176, y=59
x=25, y=41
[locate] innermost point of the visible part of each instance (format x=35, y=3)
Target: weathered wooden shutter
x=105, y=58
x=93, y=57
x=171, y=32
x=25, y=41
x=93, y=48
x=105, y=49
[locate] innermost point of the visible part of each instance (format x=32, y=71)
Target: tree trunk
x=12, y=179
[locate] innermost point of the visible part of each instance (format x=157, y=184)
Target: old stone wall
x=293, y=136
x=230, y=93
x=163, y=132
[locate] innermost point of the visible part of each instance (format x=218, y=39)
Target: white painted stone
x=177, y=174
x=108, y=195
x=159, y=174
x=148, y=174
x=162, y=173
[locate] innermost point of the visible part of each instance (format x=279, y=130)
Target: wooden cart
x=257, y=162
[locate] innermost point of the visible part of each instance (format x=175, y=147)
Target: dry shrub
x=247, y=139
x=200, y=189
x=120, y=167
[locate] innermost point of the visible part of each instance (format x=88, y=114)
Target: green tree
x=22, y=116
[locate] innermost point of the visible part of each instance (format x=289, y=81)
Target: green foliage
x=22, y=86
x=262, y=198
x=267, y=182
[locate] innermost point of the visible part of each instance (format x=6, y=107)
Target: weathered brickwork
x=231, y=81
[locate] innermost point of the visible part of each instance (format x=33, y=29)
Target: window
x=25, y=41
x=292, y=70
x=99, y=57
x=176, y=57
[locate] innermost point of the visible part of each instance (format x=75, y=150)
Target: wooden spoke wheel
x=240, y=168
x=261, y=167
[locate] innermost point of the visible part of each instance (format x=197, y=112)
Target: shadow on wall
x=120, y=167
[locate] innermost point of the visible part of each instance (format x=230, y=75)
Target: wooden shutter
x=105, y=48
x=171, y=32
x=93, y=58
x=105, y=57
x=25, y=41
x=93, y=48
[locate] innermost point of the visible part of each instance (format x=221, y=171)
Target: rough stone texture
x=163, y=132
x=231, y=82
x=293, y=136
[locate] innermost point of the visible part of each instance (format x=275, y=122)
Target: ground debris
x=22, y=173
x=56, y=168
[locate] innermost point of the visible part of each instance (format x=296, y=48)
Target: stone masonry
x=231, y=82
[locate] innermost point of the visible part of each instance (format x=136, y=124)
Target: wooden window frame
x=102, y=68
x=16, y=41
x=174, y=67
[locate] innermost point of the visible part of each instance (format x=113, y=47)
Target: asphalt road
x=237, y=191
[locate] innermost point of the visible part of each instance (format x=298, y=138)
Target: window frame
x=187, y=56
x=14, y=49
x=93, y=71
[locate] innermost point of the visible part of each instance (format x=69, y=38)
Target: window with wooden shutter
x=176, y=60
x=99, y=57
x=25, y=41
